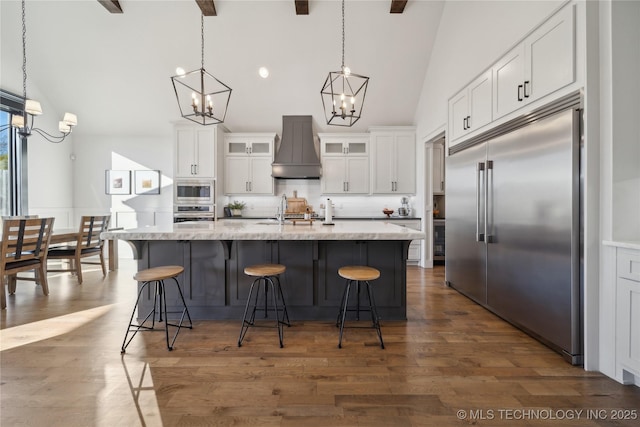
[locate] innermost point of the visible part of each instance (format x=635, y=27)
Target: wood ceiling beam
x=302, y=7
x=207, y=7
x=397, y=6
x=112, y=6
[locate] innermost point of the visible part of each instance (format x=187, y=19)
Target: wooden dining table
x=67, y=235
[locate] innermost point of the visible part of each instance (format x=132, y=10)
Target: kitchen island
x=214, y=255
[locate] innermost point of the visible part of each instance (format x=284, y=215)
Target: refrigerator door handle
x=488, y=225
x=479, y=172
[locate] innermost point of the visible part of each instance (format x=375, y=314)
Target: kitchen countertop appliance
x=405, y=209
x=513, y=225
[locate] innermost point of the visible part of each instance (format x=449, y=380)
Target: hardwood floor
x=451, y=363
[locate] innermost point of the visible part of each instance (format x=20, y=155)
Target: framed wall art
x=147, y=182
x=117, y=182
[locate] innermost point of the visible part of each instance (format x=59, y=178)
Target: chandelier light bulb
x=346, y=71
x=264, y=72
x=180, y=71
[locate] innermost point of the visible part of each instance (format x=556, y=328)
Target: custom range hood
x=296, y=157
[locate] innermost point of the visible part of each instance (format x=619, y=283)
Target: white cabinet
x=393, y=160
x=195, y=152
x=344, y=145
x=438, y=168
x=413, y=256
x=345, y=163
x=628, y=311
x=543, y=63
x=248, y=158
x=471, y=108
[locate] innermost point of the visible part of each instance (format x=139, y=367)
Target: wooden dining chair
x=89, y=244
x=24, y=248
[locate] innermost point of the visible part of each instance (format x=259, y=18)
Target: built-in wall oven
x=194, y=200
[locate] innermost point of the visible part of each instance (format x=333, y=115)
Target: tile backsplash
x=343, y=205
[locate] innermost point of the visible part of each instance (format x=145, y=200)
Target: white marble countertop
x=269, y=230
x=627, y=244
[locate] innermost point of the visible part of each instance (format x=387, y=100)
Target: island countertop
x=251, y=229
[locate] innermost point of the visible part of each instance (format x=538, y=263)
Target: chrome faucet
x=282, y=209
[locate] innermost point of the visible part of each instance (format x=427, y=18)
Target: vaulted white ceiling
x=113, y=70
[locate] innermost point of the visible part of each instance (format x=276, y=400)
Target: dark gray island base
x=216, y=287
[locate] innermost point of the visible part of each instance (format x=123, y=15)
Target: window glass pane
x=5, y=182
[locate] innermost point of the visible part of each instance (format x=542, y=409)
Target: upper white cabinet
x=195, y=152
x=248, y=158
x=471, y=108
x=345, y=163
x=543, y=63
x=438, y=168
x=393, y=160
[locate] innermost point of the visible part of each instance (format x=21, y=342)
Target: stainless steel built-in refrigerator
x=513, y=228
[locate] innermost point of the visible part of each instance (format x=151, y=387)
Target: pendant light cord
x=24, y=53
x=342, y=34
x=202, y=39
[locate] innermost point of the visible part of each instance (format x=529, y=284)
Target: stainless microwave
x=194, y=191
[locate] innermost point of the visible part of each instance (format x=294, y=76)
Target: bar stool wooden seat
x=267, y=274
x=358, y=274
x=157, y=276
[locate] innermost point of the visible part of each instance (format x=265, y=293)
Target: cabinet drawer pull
x=468, y=122
x=526, y=93
x=464, y=124
x=520, y=92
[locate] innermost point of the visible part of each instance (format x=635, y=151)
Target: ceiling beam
x=207, y=7
x=397, y=6
x=112, y=6
x=302, y=7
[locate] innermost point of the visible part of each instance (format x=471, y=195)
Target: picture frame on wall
x=147, y=182
x=117, y=182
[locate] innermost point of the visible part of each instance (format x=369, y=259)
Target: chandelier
x=201, y=97
x=343, y=93
x=32, y=108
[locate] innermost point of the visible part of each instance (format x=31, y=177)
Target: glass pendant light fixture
x=32, y=107
x=201, y=97
x=343, y=93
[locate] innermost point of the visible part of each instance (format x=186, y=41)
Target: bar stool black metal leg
x=285, y=314
x=342, y=302
x=185, y=310
x=374, y=313
x=245, y=324
x=275, y=305
x=125, y=343
x=358, y=301
x=344, y=311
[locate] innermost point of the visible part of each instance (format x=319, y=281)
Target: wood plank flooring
x=451, y=363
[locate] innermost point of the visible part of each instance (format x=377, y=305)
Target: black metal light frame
x=200, y=95
x=343, y=93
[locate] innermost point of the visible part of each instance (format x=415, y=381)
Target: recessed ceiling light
x=264, y=72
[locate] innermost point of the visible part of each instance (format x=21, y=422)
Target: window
x=13, y=155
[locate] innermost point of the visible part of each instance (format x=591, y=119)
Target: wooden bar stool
x=265, y=273
x=157, y=275
x=358, y=274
